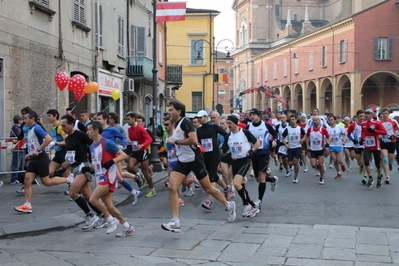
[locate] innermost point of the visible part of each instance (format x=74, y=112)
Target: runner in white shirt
x=338, y=137
x=349, y=149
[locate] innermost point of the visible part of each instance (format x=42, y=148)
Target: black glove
x=372, y=130
x=250, y=153
x=361, y=142
x=391, y=137
x=355, y=141
x=225, y=149
x=85, y=169
x=108, y=164
x=59, y=171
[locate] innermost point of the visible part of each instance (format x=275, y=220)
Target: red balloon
x=61, y=80
x=77, y=82
x=79, y=94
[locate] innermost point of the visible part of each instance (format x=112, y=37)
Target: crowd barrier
x=8, y=149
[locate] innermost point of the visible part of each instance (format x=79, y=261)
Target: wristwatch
x=39, y=150
x=176, y=142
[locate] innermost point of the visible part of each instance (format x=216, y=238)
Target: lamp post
x=214, y=58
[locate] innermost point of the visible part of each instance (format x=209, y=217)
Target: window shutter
x=321, y=57
x=339, y=51
x=325, y=56
x=101, y=25
x=132, y=40
x=345, y=51
x=375, y=48
x=390, y=48
x=310, y=60
x=231, y=72
x=76, y=10
x=140, y=40
x=82, y=12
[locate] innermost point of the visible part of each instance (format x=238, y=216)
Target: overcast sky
x=224, y=22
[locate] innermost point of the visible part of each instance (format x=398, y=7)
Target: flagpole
x=153, y=156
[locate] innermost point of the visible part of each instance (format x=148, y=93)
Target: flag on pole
x=221, y=78
x=170, y=11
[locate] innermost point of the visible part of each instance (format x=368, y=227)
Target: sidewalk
x=52, y=209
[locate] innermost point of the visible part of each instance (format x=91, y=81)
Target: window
x=99, y=25
x=342, y=51
x=42, y=2
x=296, y=66
x=323, y=56
x=121, y=39
x=160, y=48
x=231, y=73
x=79, y=11
x=137, y=40
x=221, y=70
x=275, y=70
x=285, y=67
x=258, y=75
x=266, y=73
x=383, y=48
x=243, y=34
x=231, y=94
x=196, y=98
x=310, y=60
x=197, y=50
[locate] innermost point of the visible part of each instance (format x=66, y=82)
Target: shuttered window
x=383, y=48
x=310, y=60
x=266, y=74
x=99, y=23
x=43, y=2
x=342, y=51
x=121, y=36
x=196, y=101
x=137, y=40
x=323, y=56
x=79, y=11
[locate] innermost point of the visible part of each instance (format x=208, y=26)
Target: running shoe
x=252, y=173
x=197, y=184
x=126, y=231
x=343, y=168
x=90, y=220
x=172, y=226
x=70, y=179
x=207, y=205
x=349, y=169
x=23, y=208
x=360, y=170
x=318, y=173
x=143, y=181
x=274, y=184
x=246, y=210
x=139, y=181
x=101, y=222
x=387, y=180
x=292, y=168
x=189, y=193
x=16, y=182
x=288, y=174
x=338, y=176
x=231, y=208
x=331, y=166
x=232, y=192
x=364, y=180
x=181, y=202
x=295, y=180
x=370, y=182
x=321, y=181
x=281, y=167
x=379, y=182
x=255, y=210
x=136, y=196
x=21, y=191
x=1, y=183
x=183, y=188
x=112, y=226
x=151, y=193
x=259, y=203
x=305, y=170
x=276, y=163
x=227, y=192
x=268, y=171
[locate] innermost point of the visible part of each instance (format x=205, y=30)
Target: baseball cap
x=303, y=115
x=374, y=109
x=369, y=111
x=255, y=111
x=201, y=113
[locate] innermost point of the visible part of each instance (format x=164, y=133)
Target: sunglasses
x=166, y=125
x=23, y=113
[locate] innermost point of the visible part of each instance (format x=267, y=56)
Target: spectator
x=18, y=153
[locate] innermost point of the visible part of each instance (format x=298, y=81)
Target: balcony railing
x=139, y=66
x=174, y=74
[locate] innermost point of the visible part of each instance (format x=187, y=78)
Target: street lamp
x=199, y=59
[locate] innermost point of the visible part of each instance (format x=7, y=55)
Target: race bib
x=260, y=139
x=236, y=148
x=282, y=150
x=207, y=144
x=70, y=157
x=134, y=145
x=31, y=147
x=370, y=141
x=98, y=170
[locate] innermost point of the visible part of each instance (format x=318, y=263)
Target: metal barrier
x=9, y=152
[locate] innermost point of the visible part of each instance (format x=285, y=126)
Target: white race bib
x=207, y=144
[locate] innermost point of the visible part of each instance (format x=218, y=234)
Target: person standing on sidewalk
x=208, y=137
x=189, y=159
x=262, y=131
x=371, y=131
x=316, y=139
x=37, y=140
x=104, y=157
x=18, y=152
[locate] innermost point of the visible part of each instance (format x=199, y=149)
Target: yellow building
x=188, y=42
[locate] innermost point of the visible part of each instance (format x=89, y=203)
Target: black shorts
x=197, y=166
x=128, y=149
x=59, y=156
x=226, y=159
x=39, y=165
x=211, y=162
x=240, y=166
x=260, y=163
x=272, y=149
x=349, y=148
x=358, y=150
x=294, y=154
x=304, y=146
x=140, y=156
x=316, y=154
x=390, y=146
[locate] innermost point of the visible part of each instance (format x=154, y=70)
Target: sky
x=224, y=22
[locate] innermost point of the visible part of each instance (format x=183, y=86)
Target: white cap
x=201, y=113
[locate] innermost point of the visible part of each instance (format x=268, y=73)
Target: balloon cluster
x=77, y=83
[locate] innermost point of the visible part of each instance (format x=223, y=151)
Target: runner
x=338, y=137
x=354, y=134
x=388, y=143
x=282, y=150
x=303, y=124
x=349, y=149
x=189, y=159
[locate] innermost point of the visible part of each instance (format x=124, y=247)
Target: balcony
x=174, y=75
x=139, y=67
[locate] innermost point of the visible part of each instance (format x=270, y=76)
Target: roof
x=197, y=10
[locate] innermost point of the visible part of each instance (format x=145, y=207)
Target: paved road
x=339, y=223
